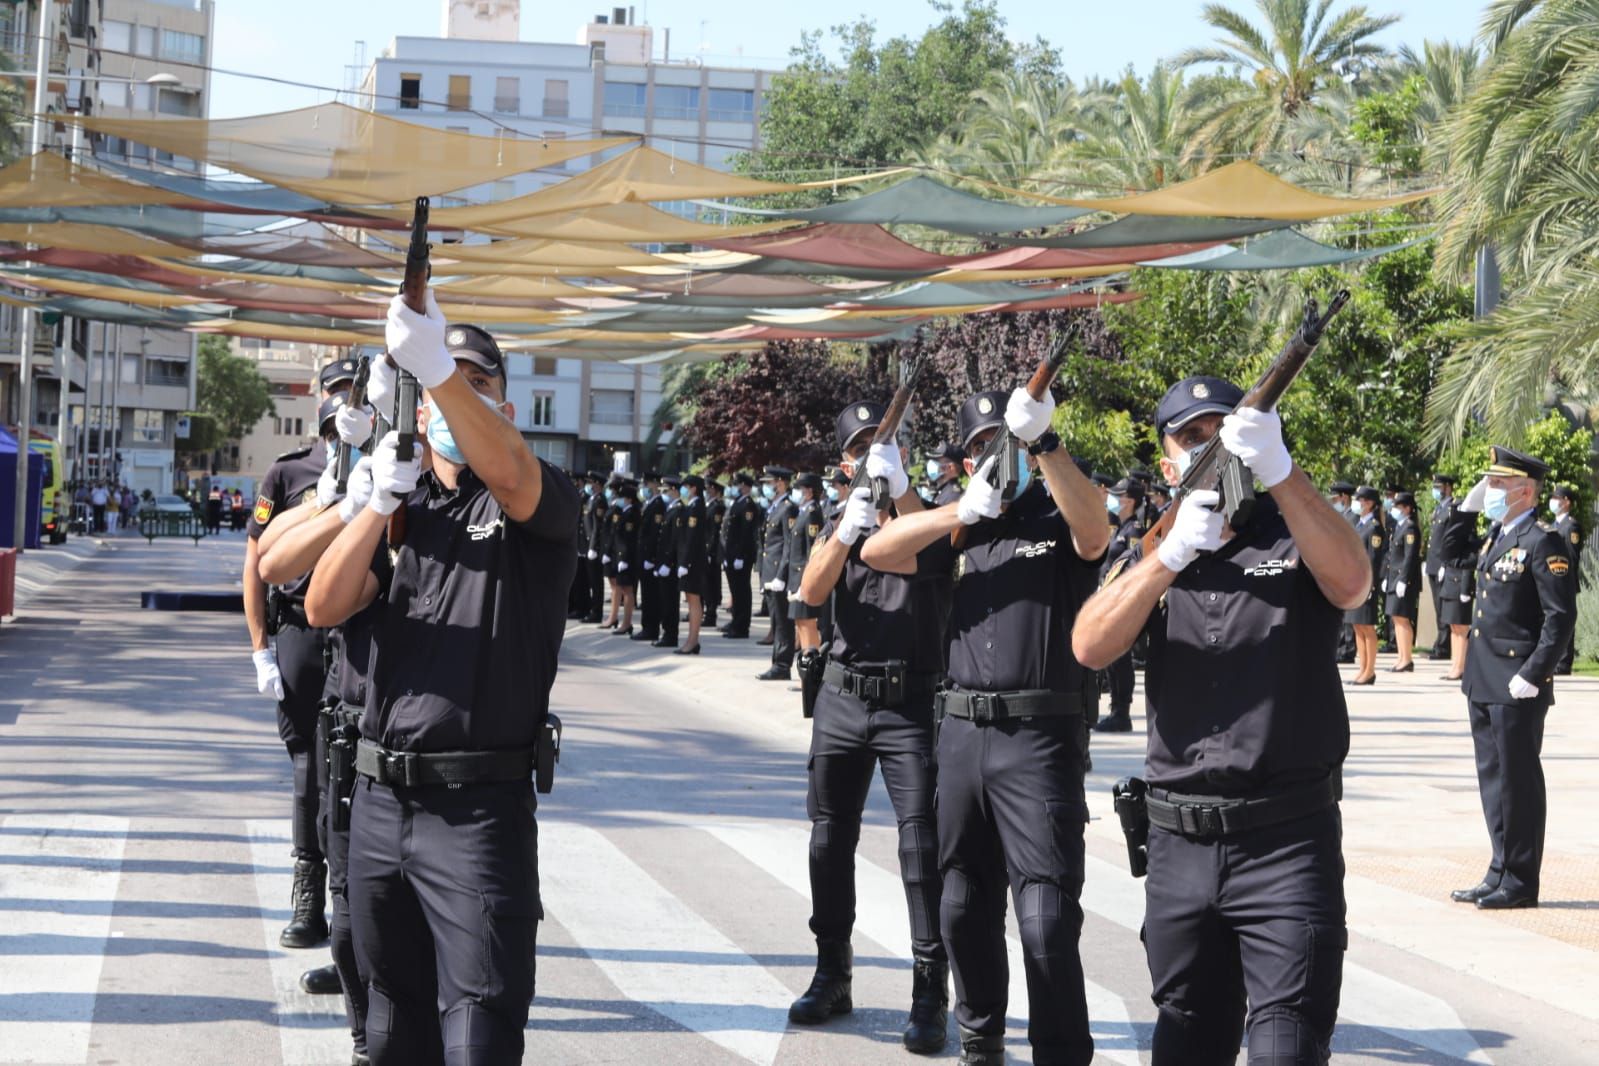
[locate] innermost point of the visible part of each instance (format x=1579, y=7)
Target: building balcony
x=556, y=108
x=511, y=105
x=457, y=103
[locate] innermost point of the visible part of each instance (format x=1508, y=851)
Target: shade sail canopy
x=921, y=201
x=255, y=197
x=48, y=180
x=1151, y=229
x=1243, y=190
x=344, y=155
x=1274, y=251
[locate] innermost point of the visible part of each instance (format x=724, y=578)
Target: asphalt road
x=144, y=867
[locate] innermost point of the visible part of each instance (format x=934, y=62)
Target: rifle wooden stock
x=888, y=431
x=413, y=290
x=1209, y=468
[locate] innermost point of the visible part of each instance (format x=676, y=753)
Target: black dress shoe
x=1408, y=668
x=765, y=642
x=593, y=618
x=1372, y=680
x=736, y=634
x=663, y=643
x=322, y=981
x=628, y=632
x=776, y=673
x=1474, y=893
x=607, y=625
x=1504, y=900
x=695, y=650
x=1434, y=657
x=643, y=635
x=1115, y=722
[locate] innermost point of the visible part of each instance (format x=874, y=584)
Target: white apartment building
x=481, y=78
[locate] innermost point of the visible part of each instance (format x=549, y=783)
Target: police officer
x=1124, y=501
x=1341, y=494
x=1523, y=615
x=944, y=468
x=692, y=560
x=667, y=585
x=1401, y=581
x=578, y=600
x=294, y=669
x=1443, y=496
x=652, y=529
x=1244, y=903
x=1010, y=757
x=740, y=552
x=1363, y=617
x=443, y=878
x=716, y=518
x=610, y=537
x=625, y=551
x=594, y=507
x=802, y=535
x=1561, y=502
x=875, y=707
x=774, y=569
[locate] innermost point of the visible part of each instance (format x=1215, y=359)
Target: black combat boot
x=980, y=1050
x=322, y=981
x=1119, y=720
x=928, y=1028
x=829, y=993
x=309, y=926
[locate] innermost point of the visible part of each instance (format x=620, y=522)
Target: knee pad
x=831, y=838
x=1282, y=1036
x=1181, y=1039
x=401, y=1034
x=918, y=851
x=475, y=1035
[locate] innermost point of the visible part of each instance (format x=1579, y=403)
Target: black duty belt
x=292, y=613
x=1213, y=817
x=884, y=683
x=985, y=707
x=442, y=767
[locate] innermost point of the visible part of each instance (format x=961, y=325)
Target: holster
x=274, y=607
x=546, y=753
x=342, y=735
x=1129, y=794
x=812, y=665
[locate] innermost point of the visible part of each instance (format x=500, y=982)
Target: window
x=166, y=372
x=143, y=97
x=144, y=40
x=677, y=101
x=542, y=412
x=460, y=96
x=555, y=101
x=508, y=95
x=611, y=407
x=544, y=364
x=147, y=427
x=116, y=36
x=299, y=427
x=129, y=374
x=183, y=47
x=624, y=99
x=178, y=102
x=113, y=95
x=410, y=92
x=731, y=105
x=553, y=452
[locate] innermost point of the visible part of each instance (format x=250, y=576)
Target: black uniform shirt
x=1018, y=586
x=289, y=482
x=1242, y=687
x=880, y=618
x=466, y=651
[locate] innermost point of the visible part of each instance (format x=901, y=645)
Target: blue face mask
x=767, y=492
x=925, y=493
x=1340, y=506
x=610, y=494
x=1396, y=514
x=795, y=496
x=441, y=439
x=1437, y=494
x=684, y=493
x=1495, y=504
x=832, y=493
x=932, y=469
x=1113, y=504
x=1024, y=475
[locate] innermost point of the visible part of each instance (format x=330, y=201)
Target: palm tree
x=1133, y=133
x=1010, y=131
x=1519, y=154
x=1290, y=64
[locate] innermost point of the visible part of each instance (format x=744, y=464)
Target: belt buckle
x=1206, y=820
x=869, y=689
x=400, y=768
x=982, y=705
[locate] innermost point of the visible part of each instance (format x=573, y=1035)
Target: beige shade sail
x=201, y=270
x=344, y=155
x=140, y=297
x=503, y=287
x=1242, y=190
x=49, y=180
x=82, y=237
x=631, y=223
x=302, y=334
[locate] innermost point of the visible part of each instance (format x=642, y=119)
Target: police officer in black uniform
x=667, y=585
x=594, y=508
x=716, y=517
x=802, y=535
x=1363, y=617
x=774, y=571
x=875, y=707
x=1341, y=494
x=1402, y=578
x=1561, y=502
x=578, y=600
x=1244, y=913
x=1525, y=608
x=652, y=530
x=610, y=534
x=1128, y=496
x=295, y=669
x=1443, y=496
x=1011, y=809
x=947, y=458
x=692, y=558
x=625, y=550
x=740, y=553
x=443, y=879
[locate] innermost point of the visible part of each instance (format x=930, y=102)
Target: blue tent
x=8, y=493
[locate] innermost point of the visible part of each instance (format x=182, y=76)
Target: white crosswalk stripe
x=312, y=1028
x=646, y=941
x=54, y=953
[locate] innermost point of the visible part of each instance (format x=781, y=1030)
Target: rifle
x=413, y=289
x=1000, y=444
x=346, y=459
x=887, y=430
x=1214, y=467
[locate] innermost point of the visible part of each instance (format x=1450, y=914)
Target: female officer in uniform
x=1402, y=578
x=691, y=558
x=625, y=551
x=1247, y=734
x=1362, y=617
x=443, y=877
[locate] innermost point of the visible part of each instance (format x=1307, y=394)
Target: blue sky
x=314, y=40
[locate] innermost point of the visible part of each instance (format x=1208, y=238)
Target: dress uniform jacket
x=610, y=539
x=592, y=524
x=653, y=526
x=1375, y=541
x=716, y=515
x=1403, y=566
x=802, y=536
x=741, y=533
x=625, y=543
x=1461, y=543
x=774, y=547
x=690, y=533
x=1571, y=533
x=1523, y=613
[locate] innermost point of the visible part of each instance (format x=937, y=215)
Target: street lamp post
x=25, y=363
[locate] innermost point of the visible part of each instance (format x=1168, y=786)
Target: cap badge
x=1200, y=390
x=456, y=337
x=862, y=413
x=985, y=406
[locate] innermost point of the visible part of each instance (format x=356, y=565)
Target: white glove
x=1440, y=573
x=605, y=559
x=621, y=565
x=1256, y=437
x=738, y=564
x=354, y=425
x=392, y=480
x=593, y=554
x=682, y=571
x=1520, y=688
x=1028, y=418
x=858, y=516
x=980, y=500
x=267, y=677
x=648, y=566
x=327, y=486
x=1465, y=597
x=883, y=461
x=1196, y=529
x=1399, y=589
x=1383, y=585
x=1476, y=497
x=360, y=489
x=793, y=597
x=417, y=342
x=775, y=585
x=380, y=383
x=663, y=571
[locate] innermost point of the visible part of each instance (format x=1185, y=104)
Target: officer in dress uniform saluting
x=443, y=878
x=740, y=553
x=774, y=570
x=1561, y=501
x=1011, y=811
x=1523, y=615
x=1248, y=732
x=1402, y=578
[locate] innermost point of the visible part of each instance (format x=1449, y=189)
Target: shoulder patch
x=1410, y=538
x=657, y=518
x=693, y=521
x=1559, y=565
x=1547, y=527
x=1574, y=536
x=1376, y=540
x=263, y=511
x=630, y=527
x=1116, y=569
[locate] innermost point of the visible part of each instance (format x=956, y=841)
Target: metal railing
x=554, y=108
x=510, y=105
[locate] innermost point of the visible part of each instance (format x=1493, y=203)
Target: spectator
x=113, y=510
x=98, y=498
x=239, y=513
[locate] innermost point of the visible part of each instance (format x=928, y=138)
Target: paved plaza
x=144, y=863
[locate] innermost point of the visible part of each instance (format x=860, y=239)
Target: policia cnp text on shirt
x=443, y=868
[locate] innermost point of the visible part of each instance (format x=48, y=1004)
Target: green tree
x=230, y=389
x=1134, y=132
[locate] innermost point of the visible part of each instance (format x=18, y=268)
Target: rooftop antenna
x=354, y=72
